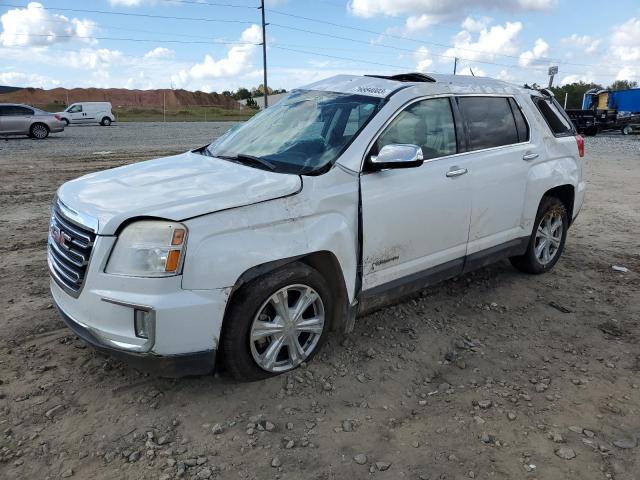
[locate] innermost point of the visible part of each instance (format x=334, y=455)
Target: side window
x=555, y=116
x=521, y=122
x=22, y=111
x=489, y=120
x=75, y=109
x=428, y=124
x=4, y=111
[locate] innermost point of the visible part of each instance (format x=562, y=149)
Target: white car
x=88, y=112
x=345, y=195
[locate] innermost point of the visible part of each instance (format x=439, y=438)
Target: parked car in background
x=88, y=112
x=344, y=196
x=19, y=119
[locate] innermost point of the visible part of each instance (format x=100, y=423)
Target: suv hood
x=174, y=188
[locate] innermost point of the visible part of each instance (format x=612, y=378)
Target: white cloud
x=423, y=58
x=126, y=3
x=628, y=73
x=35, y=26
x=450, y=8
x=499, y=39
x=420, y=22
x=475, y=24
x=20, y=79
x=159, y=53
x=92, y=58
x=587, y=77
x=238, y=60
x=625, y=41
x=585, y=43
x=536, y=55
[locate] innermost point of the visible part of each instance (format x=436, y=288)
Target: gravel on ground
x=482, y=376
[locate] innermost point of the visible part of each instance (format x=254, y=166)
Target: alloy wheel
x=548, y=237
x=39, y=131
x=287, y=328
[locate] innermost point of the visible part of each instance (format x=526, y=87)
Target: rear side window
x=555, y=116
x=489, y=120
x=521, y=122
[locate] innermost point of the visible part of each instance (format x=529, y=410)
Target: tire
x=106, y=121
x=66, y=122
x=539, y=259
x=39, y=131
x=627, y=130
x=245, y=346
x=591, y=131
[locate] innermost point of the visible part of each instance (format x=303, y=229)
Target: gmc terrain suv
x=348, y=193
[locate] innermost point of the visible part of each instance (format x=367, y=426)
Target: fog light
x=141, y=322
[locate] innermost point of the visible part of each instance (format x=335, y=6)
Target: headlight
x=149, y=248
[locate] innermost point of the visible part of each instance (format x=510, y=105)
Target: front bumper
x=173, y=366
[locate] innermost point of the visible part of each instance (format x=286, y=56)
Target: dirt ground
x=493, y=375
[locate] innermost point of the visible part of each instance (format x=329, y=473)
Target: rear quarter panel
x=558, y=164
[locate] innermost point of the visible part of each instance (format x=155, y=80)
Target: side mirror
x=397, y=155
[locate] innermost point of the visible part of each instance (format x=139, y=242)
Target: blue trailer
x=626, y=102
x=613, y=110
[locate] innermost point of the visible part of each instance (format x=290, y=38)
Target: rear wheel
x=547, y=239
x=39, y=131
x=106, y=121
x=276, y=322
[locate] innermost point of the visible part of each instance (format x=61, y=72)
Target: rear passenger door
x=17, y=119
x=499, y=147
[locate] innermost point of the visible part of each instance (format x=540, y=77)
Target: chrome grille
x=69, y=250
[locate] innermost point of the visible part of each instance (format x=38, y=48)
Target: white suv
x=347, y=194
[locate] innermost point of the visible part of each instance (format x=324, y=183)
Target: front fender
x=322, y=217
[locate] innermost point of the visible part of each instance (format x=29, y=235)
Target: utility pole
x=566, y=97
x=264, y=55
x=455, y=64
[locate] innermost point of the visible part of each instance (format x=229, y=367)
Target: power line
x=402, y=37
x=148, y=40
x=145, y=15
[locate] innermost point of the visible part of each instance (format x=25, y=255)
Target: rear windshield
x=555, y=116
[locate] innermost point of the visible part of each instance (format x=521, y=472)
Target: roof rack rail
x=406, y=77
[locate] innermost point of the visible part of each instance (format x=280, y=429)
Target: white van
x=347, y=194
x=88, y=112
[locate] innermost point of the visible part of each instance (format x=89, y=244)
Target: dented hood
x=174, y=188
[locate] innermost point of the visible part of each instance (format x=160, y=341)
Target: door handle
x=456, y=172
x=530, y=156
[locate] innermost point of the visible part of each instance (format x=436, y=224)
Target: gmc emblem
x=60, y=237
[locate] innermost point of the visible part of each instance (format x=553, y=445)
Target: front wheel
x=627, y=130
x=276, y=322
x=547, y=239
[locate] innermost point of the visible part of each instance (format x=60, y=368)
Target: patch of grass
x=183, y=114
x=180, y=114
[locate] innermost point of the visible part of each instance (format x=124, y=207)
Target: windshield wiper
x=242, y=158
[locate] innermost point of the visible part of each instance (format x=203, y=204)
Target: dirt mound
x=119, y=97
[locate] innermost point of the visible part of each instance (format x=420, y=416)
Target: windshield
x=303, y=133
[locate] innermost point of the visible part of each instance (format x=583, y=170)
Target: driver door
x=416, y=220
x=76, y=115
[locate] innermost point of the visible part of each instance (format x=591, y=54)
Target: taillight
x=580, y=142
x=58, y=117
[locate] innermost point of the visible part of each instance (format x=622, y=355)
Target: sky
x=215, y=45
